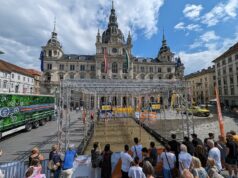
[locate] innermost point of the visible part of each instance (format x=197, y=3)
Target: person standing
x=69, y=157
x=168, y=159
x=215, y=154
x=126, y=162
x=35, y=154
x=221, y=145
x=55, y=157
x=175, y=148
x=153, y=154
x=196, y=141
x=106, y=167
x=189, y=145
x=96, y=158
x=231, y=158
x=136, y=149
x=136, y=171
x=201, y=154
x=185, y=158
x=197, y=170
x=148, y=169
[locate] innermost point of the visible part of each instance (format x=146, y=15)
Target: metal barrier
x=17, y=169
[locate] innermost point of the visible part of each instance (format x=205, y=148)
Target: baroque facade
x=202, y=85
x=226, y=66
x=111, y=45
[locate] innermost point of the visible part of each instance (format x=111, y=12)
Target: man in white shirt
x=136, y=171
x=168, y=160
x=136, y=149
x=215, y=154
x=185, y=158
x=126, y=162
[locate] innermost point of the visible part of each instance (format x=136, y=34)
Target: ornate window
x=151, y=69
x=72, y=67
x=61, y=67
x=92, y=67
x=125, y=67
x=142, y=69
x=49, y=66
x=61, y=76
x=82, y=67
x=114, y=67
x=102, y=67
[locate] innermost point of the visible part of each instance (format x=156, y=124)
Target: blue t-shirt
x=69, y=159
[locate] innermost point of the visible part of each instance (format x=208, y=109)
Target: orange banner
x=221, y=123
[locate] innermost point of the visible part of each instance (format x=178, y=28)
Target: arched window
x=102, y=67
x=142, y=77
x=125, y=67
x=114, y=67
x=151, y=77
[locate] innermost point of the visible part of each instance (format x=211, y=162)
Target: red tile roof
x=34, y=72
x=8, y=67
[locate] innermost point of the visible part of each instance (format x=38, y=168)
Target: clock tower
x=113, y=52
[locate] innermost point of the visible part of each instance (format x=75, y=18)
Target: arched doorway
x=124, y=101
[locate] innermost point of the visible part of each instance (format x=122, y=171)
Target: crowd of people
x=186, y=159
x=60, y=168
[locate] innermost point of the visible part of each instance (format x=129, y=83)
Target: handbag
x=174, y=171
x=51, y=166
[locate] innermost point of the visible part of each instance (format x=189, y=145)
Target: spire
x=129, y=38
x=112, y=5
x=98, y=36
x=164, y=40
x=113, y=18
x=54, y=30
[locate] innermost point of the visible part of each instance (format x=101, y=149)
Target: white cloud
x=208, y=40
x=192, y=11
x=29, y=24
x=221, y=12
x=202, y=59
x=190, y=27
x=209, y=36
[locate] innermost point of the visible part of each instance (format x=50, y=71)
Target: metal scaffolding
x=105, y=87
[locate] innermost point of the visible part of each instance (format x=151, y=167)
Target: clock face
x=114, y=50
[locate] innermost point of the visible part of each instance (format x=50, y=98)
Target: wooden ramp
x=117, y=133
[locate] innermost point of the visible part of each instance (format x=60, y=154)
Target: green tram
x=24, y=112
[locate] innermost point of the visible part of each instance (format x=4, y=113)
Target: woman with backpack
x=96, y=159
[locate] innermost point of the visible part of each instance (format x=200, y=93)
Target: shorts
x=231, y=161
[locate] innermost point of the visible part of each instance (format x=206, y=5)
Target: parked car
x=199, y=111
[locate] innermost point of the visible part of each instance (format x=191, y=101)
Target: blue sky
x=197, y=31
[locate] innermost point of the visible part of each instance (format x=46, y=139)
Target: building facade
x=14, y=79
x=202, y=85
x=113, y=60
x=226, y=67
x=37, y=79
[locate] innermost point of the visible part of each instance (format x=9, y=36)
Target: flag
x=105, y=60
x=42, y=61
x=127, y=59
